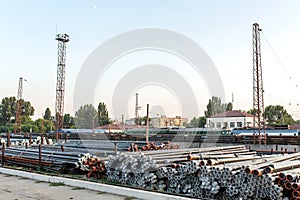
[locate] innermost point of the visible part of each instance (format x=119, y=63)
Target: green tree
x=143, y=121
x=47, y=114
x=276, y=115
x=252, y=111
x=86, y=116
x=102, y=114
x=7, y=110
x=68, y=121
x=216, y=106
x=229, y=106
x=27, y=108
x=197, y=122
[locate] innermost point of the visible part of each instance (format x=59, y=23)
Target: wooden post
x=42, y=139
x=30, y=139
x=115, y=147
x=8, y=140
x=66, y=137
x=2, y=158
x=40, y=156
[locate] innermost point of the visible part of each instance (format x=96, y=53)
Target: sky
x=222, y=28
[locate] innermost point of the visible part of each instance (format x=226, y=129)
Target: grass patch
x=101, y=192
x=77, y=188
x=39, y=181
x=57, y=184
x=128, y=198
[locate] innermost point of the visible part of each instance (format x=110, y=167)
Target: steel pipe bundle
x=62, y=162
x=226, y=178
x=151, y=146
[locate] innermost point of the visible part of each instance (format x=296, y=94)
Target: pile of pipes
x=151, y=146
x=289, y=181
x=26, y=142
x=93, y=165
x=61, y=162
x=209, y=173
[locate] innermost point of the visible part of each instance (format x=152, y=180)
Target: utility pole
x=122, y=123
x=147, y=125
x=17, y=127
x=137, y=108
x=60, y=84
x=258, y=91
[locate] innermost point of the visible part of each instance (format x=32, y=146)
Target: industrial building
x=230, y=119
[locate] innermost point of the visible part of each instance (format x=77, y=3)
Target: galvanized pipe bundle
x=225, y=178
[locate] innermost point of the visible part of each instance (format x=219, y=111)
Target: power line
x=278, y=59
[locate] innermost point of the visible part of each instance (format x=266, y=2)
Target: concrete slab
x=19, y=188
x=100, y=187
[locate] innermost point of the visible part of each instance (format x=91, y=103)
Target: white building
x=230, y=119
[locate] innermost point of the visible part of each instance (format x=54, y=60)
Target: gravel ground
x=18, y=188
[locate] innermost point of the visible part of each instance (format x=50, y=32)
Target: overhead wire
x=282, y=66
x=279, y=60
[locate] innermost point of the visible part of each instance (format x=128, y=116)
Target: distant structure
x=230, y=120
x=164, y=121
x=60, y=84
x=17, y=127
x=258, y=91
x=137, y=108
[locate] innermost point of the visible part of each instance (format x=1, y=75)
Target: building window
x=212, y=125
x=218, y=124
x=239, y=124
x=225, y=125
x=232, y=124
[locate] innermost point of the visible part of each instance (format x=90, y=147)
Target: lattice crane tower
x=17, y=127
x=60, y=84
x=258, y=91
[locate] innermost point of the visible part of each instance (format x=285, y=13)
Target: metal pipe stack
x=61, y=162
x=211, y=176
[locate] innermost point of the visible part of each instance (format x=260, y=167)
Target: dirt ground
x=18, y=188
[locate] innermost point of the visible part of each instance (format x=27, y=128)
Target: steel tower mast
x=17, y=127
x=258, y=91
x=60, y=84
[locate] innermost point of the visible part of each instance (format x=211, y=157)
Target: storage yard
x=154, y=101
x=228, y=172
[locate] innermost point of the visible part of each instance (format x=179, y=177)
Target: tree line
x=86, y=117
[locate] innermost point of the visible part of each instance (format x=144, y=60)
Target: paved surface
x=18, y=188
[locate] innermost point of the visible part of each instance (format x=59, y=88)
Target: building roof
x=232, y=113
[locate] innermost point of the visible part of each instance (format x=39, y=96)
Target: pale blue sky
x=222, y=28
